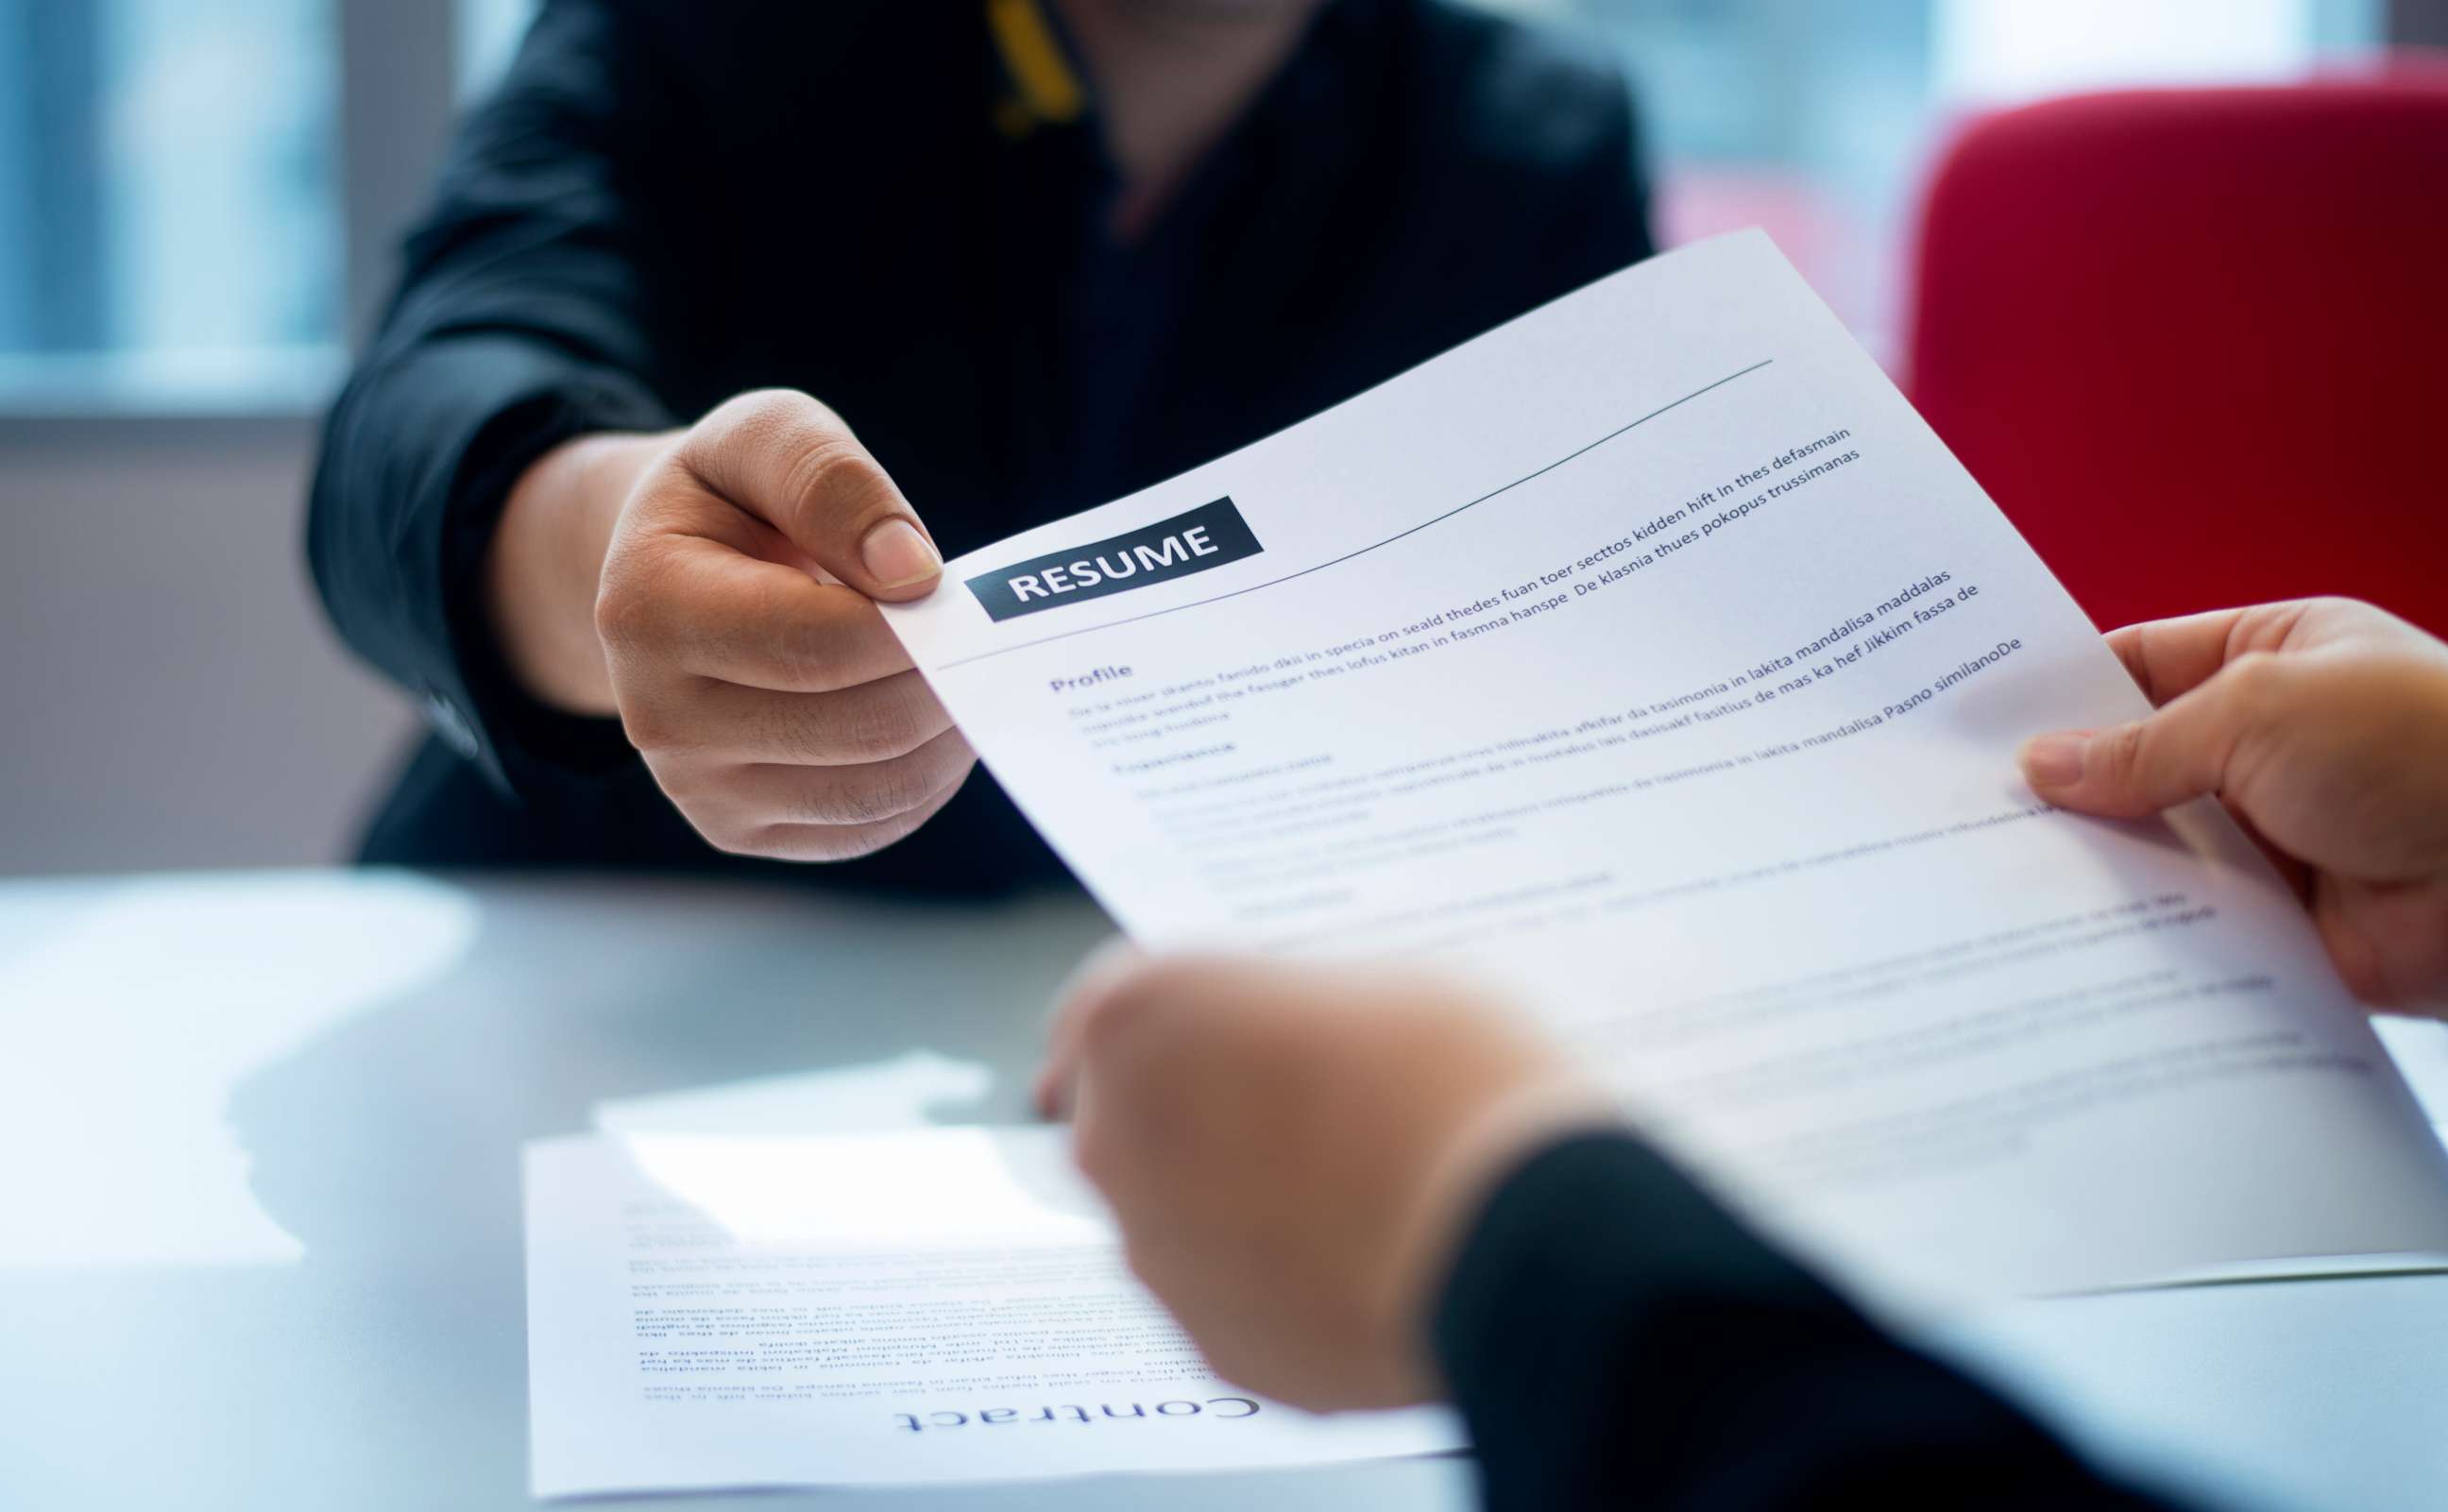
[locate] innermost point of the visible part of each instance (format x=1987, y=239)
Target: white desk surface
x=260, y=1240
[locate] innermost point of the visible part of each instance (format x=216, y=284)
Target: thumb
x=792, y=463
x=2181, y=752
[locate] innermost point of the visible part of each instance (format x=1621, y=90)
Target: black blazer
x=672, y=200
x=1617, y=1340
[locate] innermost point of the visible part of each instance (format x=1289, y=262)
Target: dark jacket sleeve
x=1615, y=1339
x=530, y=309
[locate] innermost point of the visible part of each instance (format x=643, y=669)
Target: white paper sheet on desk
x=1650, y=656
x=926, y=1306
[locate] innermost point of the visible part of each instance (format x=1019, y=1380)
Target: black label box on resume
x=1209, y=536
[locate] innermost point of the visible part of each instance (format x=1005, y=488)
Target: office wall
x=169, y=694
x=2418, y=23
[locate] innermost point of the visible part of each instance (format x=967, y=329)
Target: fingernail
x=897, y=555
x=2054, y=761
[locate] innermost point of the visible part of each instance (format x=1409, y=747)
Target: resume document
x=1649, y=659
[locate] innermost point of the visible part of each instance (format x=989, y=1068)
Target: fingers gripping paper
x=1650, y=656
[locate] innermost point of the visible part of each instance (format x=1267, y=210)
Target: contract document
x=926, y=1305
x=1650, y=657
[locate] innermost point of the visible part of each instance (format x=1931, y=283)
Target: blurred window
x=488, y=34
x=173, y=236
x=1817, y=121
x=169, y=223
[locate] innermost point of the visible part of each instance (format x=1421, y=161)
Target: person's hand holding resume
x=1649, y=658
x=1361, y=1187
x=2320, y=724
x=1645, y=664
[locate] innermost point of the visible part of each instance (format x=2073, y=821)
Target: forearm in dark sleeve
x=1615, y=1339
x=528, y=313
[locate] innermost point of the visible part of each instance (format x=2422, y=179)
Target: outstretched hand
x=717, y=589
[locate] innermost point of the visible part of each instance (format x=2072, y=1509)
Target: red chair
x=2195, y=341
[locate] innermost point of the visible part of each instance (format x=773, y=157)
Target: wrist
x=1461, y=1181
x=547, y=560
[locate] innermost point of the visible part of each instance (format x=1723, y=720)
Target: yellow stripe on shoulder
x=1034, y=59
